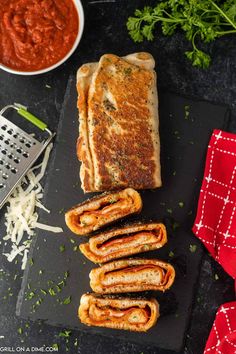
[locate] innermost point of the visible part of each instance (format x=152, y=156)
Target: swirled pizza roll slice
x=118, y=313
x=104, y=209
x=132, y=275
x=124, y=241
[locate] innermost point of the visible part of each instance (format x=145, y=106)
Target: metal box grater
x=18, y=150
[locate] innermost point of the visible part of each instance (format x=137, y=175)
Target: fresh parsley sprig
x=201, y=20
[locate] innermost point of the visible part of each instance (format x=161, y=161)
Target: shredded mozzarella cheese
x=22, y=217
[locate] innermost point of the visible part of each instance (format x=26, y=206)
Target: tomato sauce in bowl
x=36, y=34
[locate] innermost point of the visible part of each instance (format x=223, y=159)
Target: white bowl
x=80, y=12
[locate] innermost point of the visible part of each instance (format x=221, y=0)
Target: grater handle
x=30, y=117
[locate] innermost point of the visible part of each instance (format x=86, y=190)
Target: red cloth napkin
x=215, y=226
x=222, y=338
x=215, y=223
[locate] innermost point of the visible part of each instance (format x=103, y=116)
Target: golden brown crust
x=84, y=76
x=131, y=275
x=119, y=140
x=118, y=313
x=124, y=241
x=102, y=210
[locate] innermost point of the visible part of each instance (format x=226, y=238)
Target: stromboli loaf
x=124, y=241
x=132, y=275
x=118, y=313
x=101, y=210
x=118, y=142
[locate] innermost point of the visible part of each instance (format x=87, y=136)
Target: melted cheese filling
x=133, y=315
x=122, y=242
x=141, y=275
x=91, y=217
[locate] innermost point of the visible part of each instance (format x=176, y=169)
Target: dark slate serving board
x=185, y=128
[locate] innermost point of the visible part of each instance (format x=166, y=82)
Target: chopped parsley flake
x=62, y=248
x=67, y=300
x=186, y=111
x=127, y=71
x=65, y=333
x=31, y=295
x=58, y=288
x=193, y=248
x=66, y=274
x=62, y=283
x=51, y=291
x=20, y=330
x=38, y=302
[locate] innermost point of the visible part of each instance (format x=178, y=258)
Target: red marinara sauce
x=35, y=34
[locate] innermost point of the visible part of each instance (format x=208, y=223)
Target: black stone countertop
x=104, y=32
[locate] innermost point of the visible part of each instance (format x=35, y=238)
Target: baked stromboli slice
x=101, y=210
x=124, y=241
x=131, y=275
x=118, y=143
x=118, y=313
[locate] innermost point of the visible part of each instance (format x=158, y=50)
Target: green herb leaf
x=62, y=248
x=67, y=300
x=76, y=342
x=51, y=291
x=127, y=72
x=65, y=333
x=55, y=346
x=201, y=21
x=171, y=254
x=61, y=283
x=66, y=274
x=58, y=288
x=199, y=58
x=192, y=248
x=20, y=330
x=30, y=295
x=38, y=302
